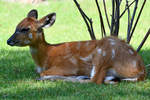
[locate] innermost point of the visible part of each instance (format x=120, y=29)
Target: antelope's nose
x=10, y=42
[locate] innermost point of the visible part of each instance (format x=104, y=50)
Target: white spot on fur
x=82, y=77
x=30, y=36
x=33, y=50
x=92, y=72
x=67, y=50
x=40, y=69
x=104, y=53
x=26, y=42
x=73, y=60
x=87, y=43
x=112, y=43
x=99, y=51
x=86, y=58
x=111, y=40
x=78, y=45
x=113, y=53
x=39, y=35
x=112, y=72
x=109, y=78
x=134, y=63
x=131, y=52
x=130, y=79
x=67, y=56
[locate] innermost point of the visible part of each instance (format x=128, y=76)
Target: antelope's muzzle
x=11, y=41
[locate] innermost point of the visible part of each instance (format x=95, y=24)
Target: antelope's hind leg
x=131, y=72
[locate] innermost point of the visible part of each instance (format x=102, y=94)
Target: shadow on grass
x=146, y=57
x=72, y=91
x=18, y=66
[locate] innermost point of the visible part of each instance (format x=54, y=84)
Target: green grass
x=17, y=71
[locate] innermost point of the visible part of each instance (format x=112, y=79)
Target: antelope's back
x=117, y=50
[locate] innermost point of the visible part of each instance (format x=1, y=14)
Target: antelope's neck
x=39, y=53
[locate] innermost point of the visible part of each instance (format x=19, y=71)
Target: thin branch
x=112, y=18
x=101, y=19
x=137, y=20
x=85, y=15
x=145, y=38
x=126, y=9
x=91, y=24
x=117, y=20
x=120, y=2
x=90, y=27
x=106, y=13
x=129, y=17
x=132, y=19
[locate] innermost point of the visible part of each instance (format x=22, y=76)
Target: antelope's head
x=30, y=29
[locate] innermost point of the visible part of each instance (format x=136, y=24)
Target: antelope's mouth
x=13, y=43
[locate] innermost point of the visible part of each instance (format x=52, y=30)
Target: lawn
x=17, y=69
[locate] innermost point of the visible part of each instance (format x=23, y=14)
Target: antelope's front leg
x=98, y=74
x=57, y=73
x=54, y=74
x=60, y=71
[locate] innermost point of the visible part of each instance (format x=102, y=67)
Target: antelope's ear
x=48, y=20
x=33, y=13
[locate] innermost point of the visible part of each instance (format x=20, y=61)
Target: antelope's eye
x=25, y=29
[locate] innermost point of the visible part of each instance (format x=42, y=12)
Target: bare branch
x=117, y=19
x=120, y=2
x=86, y=19
x=91, y=25
x=145, y=38
x=101, y=19
x=137, y=20
x=106, y=14
x=112, y=18
x=129, y=18
x=126, y=9
x=132, y=19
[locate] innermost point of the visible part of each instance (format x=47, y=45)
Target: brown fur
x=78, y=58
